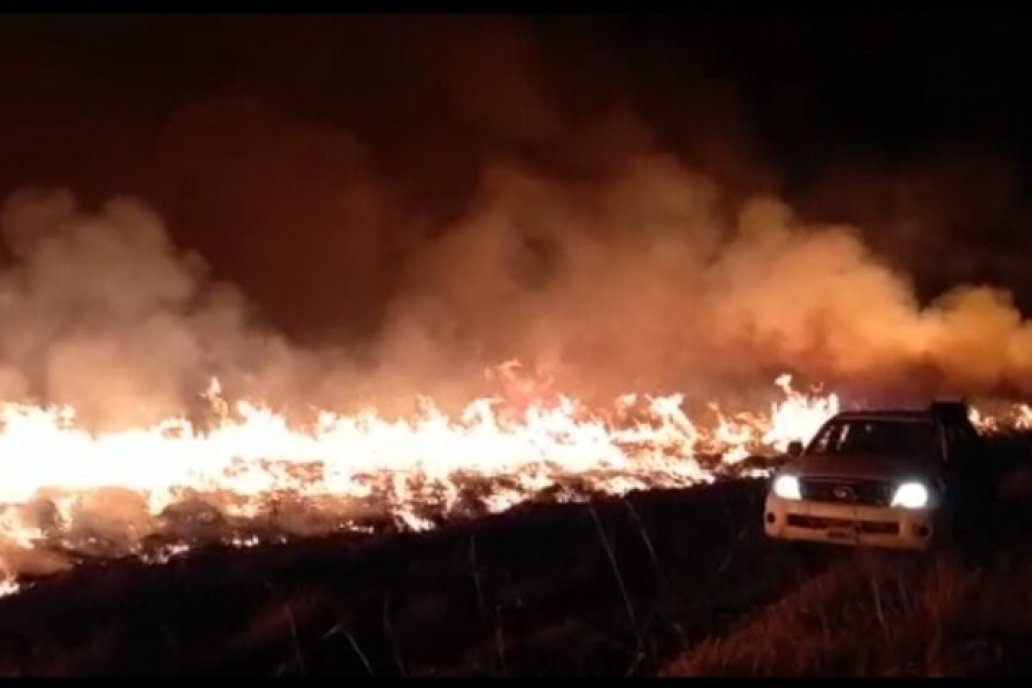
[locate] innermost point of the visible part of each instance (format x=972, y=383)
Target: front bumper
x=848, y=524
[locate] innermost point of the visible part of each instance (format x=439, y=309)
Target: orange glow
x=345, y=468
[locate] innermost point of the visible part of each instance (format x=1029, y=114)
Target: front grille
x=867, y=492
x=821, y=523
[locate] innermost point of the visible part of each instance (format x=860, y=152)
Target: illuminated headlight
x=787, y=487
x=911, y=496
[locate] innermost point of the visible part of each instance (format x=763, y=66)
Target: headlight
x=911, y=496
x=787, y=487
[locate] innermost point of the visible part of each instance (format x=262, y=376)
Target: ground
x=678, y=582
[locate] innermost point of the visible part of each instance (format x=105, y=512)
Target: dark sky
x=287, y=150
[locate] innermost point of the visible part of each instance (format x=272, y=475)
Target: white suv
x=878, y=478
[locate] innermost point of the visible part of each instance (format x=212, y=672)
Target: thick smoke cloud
x=102, y=312
x=649, y=280
x=645, y=280
x=385, y=207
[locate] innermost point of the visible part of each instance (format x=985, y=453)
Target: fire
x=1016, y=417
x=797, y=417
x=150, y=491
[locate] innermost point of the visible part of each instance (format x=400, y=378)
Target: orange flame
x=61, y=485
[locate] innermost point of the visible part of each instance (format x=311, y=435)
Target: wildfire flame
x=150, y=491
x=1016, y=417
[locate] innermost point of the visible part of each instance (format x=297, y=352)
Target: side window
x=824, y=440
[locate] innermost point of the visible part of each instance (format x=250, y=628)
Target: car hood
x=874, y=466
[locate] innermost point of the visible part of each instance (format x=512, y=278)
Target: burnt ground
x=617, y=586
x=679, y=581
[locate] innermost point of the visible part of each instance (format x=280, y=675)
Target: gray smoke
x=644, y=280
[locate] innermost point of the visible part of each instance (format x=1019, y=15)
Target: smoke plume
x=651, y=280
x=647, y=279
x=383, y=207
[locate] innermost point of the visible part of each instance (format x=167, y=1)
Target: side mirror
x=795, y=448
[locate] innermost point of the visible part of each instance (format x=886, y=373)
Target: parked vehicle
x=881, y=478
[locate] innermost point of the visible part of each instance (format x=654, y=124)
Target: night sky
x=288, y=150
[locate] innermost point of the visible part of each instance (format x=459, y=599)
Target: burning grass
x=251, y=475
x=67, y=493
x=614, y=586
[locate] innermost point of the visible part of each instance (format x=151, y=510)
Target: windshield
x=895, y=437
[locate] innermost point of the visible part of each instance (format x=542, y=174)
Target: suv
x=879, y=478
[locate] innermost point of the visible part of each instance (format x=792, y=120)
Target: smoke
x=421, y=199
x=103, y=313
x=652, y=280
x=645, y=279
